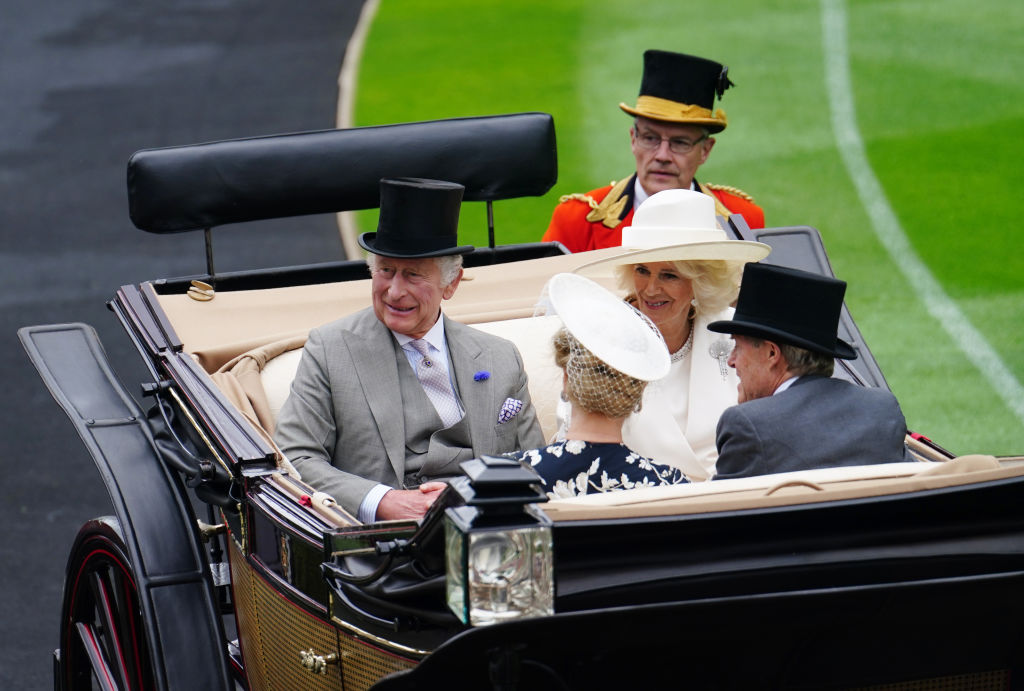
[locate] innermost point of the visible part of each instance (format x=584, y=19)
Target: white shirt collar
x=435, y=337
x=639, y=193
x=785, y=385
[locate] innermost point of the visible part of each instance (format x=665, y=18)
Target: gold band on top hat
x=673, y=111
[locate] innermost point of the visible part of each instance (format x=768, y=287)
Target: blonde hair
x=593, y=385
x=715, y=282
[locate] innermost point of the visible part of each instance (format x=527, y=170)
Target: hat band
x=664, y=109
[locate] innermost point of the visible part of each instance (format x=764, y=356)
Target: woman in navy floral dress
x=602, y=390
x=573, y=467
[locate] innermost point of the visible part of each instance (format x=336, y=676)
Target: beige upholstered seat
x=259, y=381
x=276, y=376
x=532, y=335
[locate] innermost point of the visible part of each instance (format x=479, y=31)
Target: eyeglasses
x=677, y=145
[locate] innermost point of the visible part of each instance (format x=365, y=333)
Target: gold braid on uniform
x=580, y=197
x=609, y=211
x=734, y=191
x=720, y=208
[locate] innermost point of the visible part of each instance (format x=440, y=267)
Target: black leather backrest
x=801, y=247
x=206, y=185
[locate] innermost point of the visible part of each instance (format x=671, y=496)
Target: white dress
x=677, y=422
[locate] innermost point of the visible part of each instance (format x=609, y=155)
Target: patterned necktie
x=437, y=385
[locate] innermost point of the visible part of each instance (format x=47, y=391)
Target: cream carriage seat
x=259, y=381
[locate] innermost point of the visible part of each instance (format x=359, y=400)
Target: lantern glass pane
x=509, y=574
x=455, y=582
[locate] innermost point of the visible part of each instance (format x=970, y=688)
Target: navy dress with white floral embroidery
x=573, y=467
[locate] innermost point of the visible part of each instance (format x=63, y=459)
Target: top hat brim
x=367, y=242
x=713, y=124
x=741, y=251
x=842, y=350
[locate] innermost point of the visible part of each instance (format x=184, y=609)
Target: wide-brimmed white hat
x=676, y=225
x=616, y=333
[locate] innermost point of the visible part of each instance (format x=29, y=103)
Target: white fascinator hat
x=611, y=329
x=676, y=225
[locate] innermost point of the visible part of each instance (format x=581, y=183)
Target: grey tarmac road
x=83, y=84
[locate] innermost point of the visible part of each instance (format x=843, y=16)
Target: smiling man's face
x=407, y=294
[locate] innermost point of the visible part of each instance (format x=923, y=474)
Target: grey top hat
x=418, y=218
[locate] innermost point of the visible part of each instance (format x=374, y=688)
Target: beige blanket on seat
x=242, y=381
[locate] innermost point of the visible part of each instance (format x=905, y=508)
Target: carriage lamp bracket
x=207, y=531
x=389, y=550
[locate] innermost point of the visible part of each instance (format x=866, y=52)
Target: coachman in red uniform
x=671, y=137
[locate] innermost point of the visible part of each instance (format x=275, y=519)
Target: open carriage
x=222, y=569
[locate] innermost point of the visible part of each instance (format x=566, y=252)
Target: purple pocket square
x=509, y=409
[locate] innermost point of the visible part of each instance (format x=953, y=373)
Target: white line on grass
x=885, y=224
x=346, y=106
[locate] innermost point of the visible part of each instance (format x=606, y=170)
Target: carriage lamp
x=498, y=545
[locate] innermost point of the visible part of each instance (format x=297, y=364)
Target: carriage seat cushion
x=277, y=378
x=531, y=335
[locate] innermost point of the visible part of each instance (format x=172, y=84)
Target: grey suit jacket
x=342, y=425
x=817, y=422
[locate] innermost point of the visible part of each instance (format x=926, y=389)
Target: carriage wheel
x=102, y=639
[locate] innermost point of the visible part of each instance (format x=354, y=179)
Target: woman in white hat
x=608, y=353
x=682, y=272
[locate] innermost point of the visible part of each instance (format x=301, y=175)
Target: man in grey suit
x=791, y=414
x=391, y=399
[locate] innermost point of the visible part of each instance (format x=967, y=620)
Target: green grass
x=940, y=106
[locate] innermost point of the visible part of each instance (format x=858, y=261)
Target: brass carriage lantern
x=498, y=545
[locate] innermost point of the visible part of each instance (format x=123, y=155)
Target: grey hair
x=801, y=361
x=448, y=265
x=715, y=282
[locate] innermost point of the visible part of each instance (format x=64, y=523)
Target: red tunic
x=571, y=227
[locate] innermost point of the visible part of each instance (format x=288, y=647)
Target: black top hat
x=789, y=306
x=418, y=218
x=681, y=88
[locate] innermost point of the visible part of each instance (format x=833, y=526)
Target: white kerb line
x=345, y=108
x=885, y=224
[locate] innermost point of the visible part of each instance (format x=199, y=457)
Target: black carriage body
x=827, y=586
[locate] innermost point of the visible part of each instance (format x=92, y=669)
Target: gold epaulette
x=585, y=198
x=734, y=191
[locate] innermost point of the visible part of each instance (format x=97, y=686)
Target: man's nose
x=732, y=358
x=663, y=151
x=397, y=286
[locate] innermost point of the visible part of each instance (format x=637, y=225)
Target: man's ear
x=776, y=360
x=708, y=145
x=449, y=289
